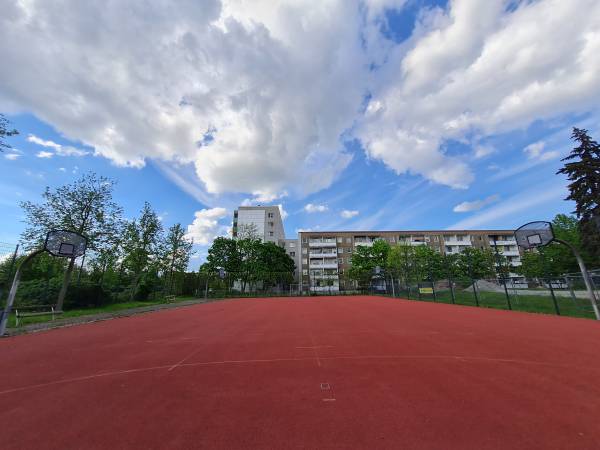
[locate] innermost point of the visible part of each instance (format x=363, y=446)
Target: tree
x=141, y=244
x=84, y=206
x=275, y=265
x=556, y=259
x=583, y=171
x=399, y=262
x=5, y=132
x=476, y=263
x=247, y=231
x=366, y=259
x=177, y=250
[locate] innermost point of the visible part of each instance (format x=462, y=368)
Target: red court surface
x=306, y=373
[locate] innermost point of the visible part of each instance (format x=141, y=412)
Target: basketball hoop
x=65, y=244
x=534, y=234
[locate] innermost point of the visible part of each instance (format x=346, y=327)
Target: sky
x=349, y=114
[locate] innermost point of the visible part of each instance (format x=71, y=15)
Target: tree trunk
x=65, y=285
x=136, y=281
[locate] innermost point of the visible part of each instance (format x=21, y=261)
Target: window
x=270, y=215
x=305, y=240
x=305, y=272
x=448, y=249
x=340, y=250
x=292, y=254
x=292, y=245
x=340, y=239
x=348, y=240
x=271, y=224
x=341, y=261
x=305, y=261
x=270, y=233
x=349, y=250
x=304, y=251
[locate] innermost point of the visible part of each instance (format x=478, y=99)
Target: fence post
x=452, y=294
x=556, y=309
x=475, y=292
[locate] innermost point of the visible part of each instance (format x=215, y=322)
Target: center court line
x=276, y=360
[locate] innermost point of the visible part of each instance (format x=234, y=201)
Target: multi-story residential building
x=326, y=256
x=322, y=258
x=265, y=220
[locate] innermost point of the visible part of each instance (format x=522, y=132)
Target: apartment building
x=265, y=220
x=325, y=256
x=322, y=258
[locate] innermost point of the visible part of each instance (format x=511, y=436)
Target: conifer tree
x=582, y=168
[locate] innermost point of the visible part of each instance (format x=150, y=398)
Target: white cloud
x=536, y=151
x=242, y=91
x=311, y=208
x=348, y=214
x=481, y=151
x=13, y=154
x=62, y=169
x=476, y=205
x=521, y=207
x=60, y=150
x=283, y=212
x=205, y=226
x=44, y=154
x=479, y=69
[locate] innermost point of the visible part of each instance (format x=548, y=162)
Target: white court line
x=276, y=360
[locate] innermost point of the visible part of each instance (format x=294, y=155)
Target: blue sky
x=384, y=114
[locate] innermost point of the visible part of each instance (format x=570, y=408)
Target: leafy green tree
x=276, y=266
x=399, y=262
x=428, y=264
x=583, y=171
x=5, y=132
x=84, y=206
x=366, y=259
x=531, y=265
x=476, y=263
x=176, y=252
x=141, y=244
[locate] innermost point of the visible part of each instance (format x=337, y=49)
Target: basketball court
x=320, y=372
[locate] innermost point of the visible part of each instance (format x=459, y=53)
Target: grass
x=113, y=307
x=529, y=303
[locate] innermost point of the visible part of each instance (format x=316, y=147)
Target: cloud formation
x=259, y=96
x=476, y=205
x=206, y=226
x=348, y=214
x=311, y=208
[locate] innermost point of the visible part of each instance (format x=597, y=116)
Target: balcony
x=463, y=242
x=324, y=264
x=503, y=242
x=324, y=277
x=322, y=243
x=509, y=252
x=323, y=254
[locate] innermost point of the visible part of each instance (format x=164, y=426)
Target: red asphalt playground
x=306, y=373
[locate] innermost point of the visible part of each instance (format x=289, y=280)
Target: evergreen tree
x=5, y=131
x=583, y=171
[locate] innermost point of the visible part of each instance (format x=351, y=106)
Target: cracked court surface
x=306, y=373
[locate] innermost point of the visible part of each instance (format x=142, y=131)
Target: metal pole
x=549, y=280
x=393, y=288
x=206, y=288
x=80, y=269
x=502, y=277
x=586, y=277
x=13, y=291
x=11, y=267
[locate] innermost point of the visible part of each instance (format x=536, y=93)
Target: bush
x=86, y=295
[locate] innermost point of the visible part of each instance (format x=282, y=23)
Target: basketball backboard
x=66, y=244
x=534, y=234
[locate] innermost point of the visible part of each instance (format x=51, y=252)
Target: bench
x=33, y=311
x=169, y=298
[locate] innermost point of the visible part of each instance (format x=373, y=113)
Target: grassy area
x=113, y=307
x=530, y=303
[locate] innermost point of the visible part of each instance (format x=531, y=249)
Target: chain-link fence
x=566, y=295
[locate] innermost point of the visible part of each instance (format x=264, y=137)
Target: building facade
x=326, y=256
x=323, y=258
x=264, y=220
